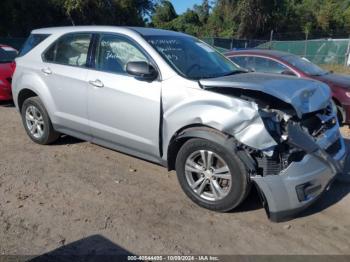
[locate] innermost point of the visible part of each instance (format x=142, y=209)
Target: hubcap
x=208, y=175
x=35, y=122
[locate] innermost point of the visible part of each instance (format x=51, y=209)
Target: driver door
x=124, y=112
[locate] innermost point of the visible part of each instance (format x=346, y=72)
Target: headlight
x=275, y=121
x=1, y=82
x=347, y=94
x=272, y=124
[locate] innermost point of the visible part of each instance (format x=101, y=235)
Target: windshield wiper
x=239, y=71
x=322, y=74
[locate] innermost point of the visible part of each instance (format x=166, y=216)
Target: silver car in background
x=171, y=99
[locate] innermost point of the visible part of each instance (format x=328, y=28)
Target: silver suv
x=171, y=99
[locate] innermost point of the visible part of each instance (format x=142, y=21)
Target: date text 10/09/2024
x=173, y=258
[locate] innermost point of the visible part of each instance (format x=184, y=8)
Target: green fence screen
x=332, y=51
x=320, y=51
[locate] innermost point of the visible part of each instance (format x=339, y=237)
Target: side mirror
x=288, y=73
x=142, y=70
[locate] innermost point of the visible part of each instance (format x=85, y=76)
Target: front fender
x=232, y=116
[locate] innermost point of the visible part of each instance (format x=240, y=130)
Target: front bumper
x=302, y=183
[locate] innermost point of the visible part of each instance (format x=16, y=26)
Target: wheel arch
x=193, y=131
x=29, y=85
x=23, y=95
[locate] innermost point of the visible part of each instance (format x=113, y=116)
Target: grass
x=340, y=69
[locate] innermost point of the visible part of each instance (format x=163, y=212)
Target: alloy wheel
x=35, y=122
x=208, y=175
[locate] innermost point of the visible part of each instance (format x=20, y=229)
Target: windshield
x=7, y=54
x=304, y=65
x=192, y=58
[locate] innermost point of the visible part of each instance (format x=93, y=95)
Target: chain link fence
x=328, y=51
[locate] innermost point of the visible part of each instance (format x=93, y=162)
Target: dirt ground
x=89, y=199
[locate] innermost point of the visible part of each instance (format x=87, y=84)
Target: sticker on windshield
x=205, y=47
x=8, y=49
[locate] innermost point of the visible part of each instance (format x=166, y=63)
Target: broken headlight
x=275, y=122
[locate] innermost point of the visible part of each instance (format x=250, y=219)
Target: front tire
x=37, y=122
x=211, y=175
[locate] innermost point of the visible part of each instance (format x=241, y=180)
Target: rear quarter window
x=32, y=41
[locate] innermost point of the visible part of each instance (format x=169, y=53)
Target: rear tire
x=220, y=185
x=37, y=122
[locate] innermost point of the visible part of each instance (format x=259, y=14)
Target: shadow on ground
x=67, y=140
x=92, y=249
x=7, y=104
x=253, y=202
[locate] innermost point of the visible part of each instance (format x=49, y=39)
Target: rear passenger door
x=65, y=72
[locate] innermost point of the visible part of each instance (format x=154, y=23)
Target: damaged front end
x=309, y=150
x=303, y=164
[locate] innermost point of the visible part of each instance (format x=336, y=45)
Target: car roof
x=262, y=52
x=154, y=31
x=140, y=30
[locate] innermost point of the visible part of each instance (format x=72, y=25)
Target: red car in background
x=276, y=62
x=7, y=68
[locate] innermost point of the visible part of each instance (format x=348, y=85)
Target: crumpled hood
x=304, y=95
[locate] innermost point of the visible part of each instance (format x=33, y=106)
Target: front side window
x=115, y=52
x=32, y=41
x=7, y=54
x=266, y=65
x=190, y=57
x=70, y=50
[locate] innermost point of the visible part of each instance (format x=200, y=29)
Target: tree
x=203, y=11
x=163, y=14
x=19, y=17
x=189, y=22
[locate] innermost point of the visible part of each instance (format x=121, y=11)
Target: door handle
x=97, y=83
x=46, y=71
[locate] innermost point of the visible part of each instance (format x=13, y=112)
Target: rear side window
x=32, y=41
x=70, y=50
